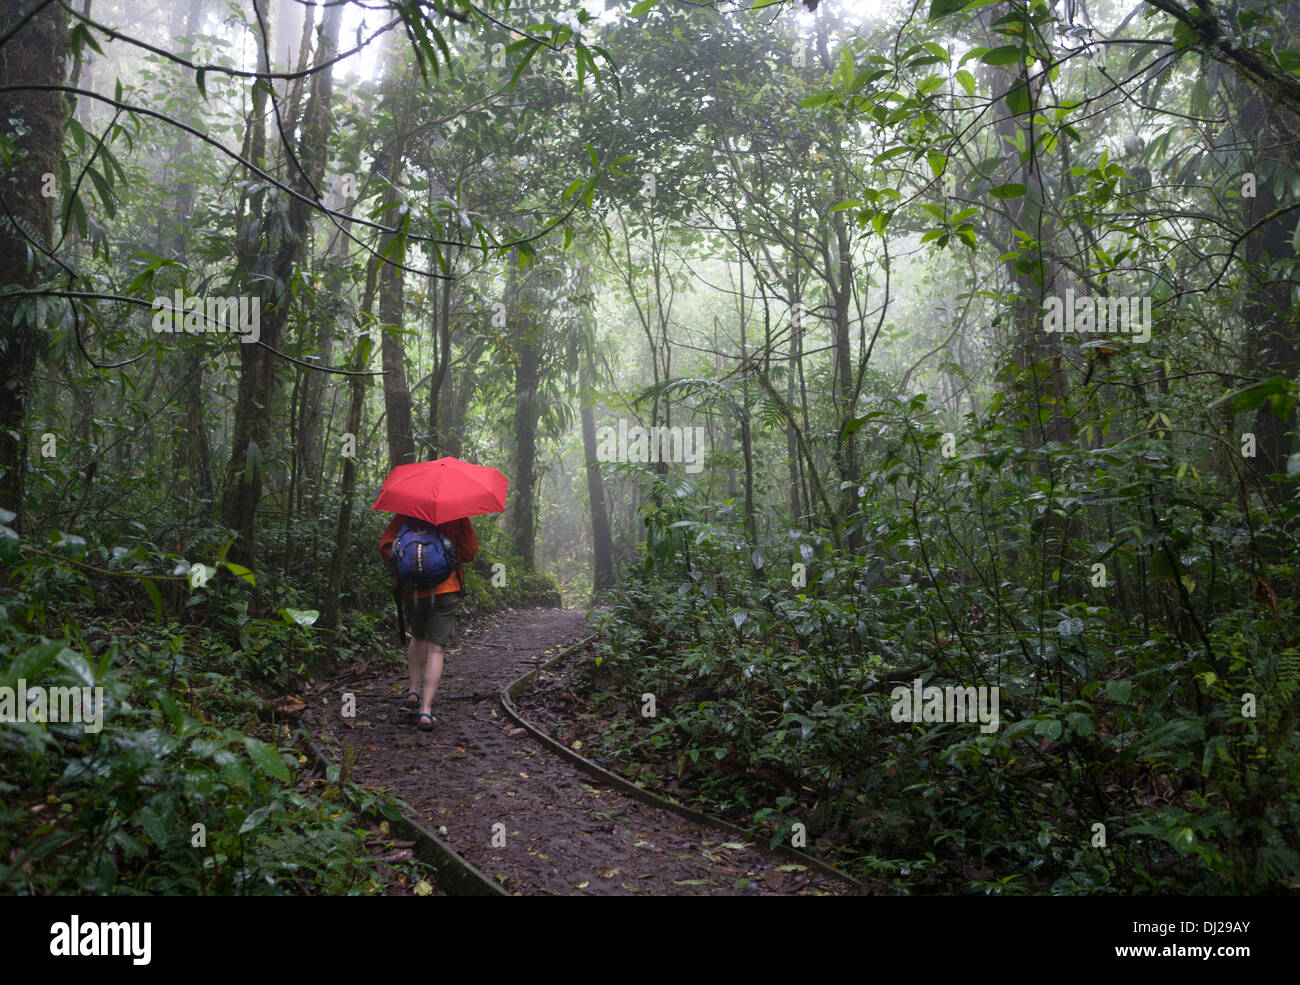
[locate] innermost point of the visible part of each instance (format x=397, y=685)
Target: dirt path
x=479, y=782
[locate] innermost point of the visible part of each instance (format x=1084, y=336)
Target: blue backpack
x=422, y=556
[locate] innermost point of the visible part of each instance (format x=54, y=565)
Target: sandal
x=424, y=726
x=410, y=707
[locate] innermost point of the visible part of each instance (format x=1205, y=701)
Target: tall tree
x=36, y=55
x=275, y=245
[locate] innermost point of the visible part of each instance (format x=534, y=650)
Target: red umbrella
x=443, y=490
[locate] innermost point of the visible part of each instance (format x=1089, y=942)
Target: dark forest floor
x=564, y=833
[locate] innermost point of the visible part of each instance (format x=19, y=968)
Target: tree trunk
x=1267, y=306
x=792, y=442
x=389, y=163
x=310, y=439
x=397, y=396
x=527, y=355
x=442, y=341
x=38, y=54
x=601, y=540
x=258, y=381
x=193, y=450
x=343, y=531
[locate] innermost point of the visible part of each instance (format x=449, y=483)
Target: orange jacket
x=459, y=532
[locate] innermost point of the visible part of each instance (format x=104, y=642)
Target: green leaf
x=643, y=7
x=105, y=191
x=267, y=757
x=1249, y=398
x=892, y=152
x=966, y=80
x=155, y=828
x=303, y=617
x=1119, y=691
x=151, y=590
x=78, y=665
x=930, y=84
x=1004, y=55
x=1018, y=99
x=78, y=213
x=819, y=99
x=1049, y=727
x=8, y=545
x=938, y=50
x=1010, y=190
x=844, y=74
x=523, y=64
x=942, y=8
x=256, y=818
x=238, y=570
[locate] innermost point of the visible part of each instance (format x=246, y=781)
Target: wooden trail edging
x=640, y=793
x=458, y=877
x=455, y=875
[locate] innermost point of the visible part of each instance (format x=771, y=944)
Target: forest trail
x=564, y=833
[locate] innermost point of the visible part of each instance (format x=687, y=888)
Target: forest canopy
x=849, y=361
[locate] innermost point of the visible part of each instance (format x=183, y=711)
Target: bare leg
x=415, y=663
x=432, y=675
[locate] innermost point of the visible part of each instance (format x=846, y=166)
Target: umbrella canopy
x=443, y=490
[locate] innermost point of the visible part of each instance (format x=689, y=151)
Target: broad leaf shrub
x=509, y=586
x=1147, y=739
x=115, y=811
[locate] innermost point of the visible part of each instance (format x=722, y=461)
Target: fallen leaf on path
x=422, y=888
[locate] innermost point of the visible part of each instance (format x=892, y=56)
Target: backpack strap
x=401, y=620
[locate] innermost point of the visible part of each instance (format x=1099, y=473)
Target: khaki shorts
x=434, y=618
